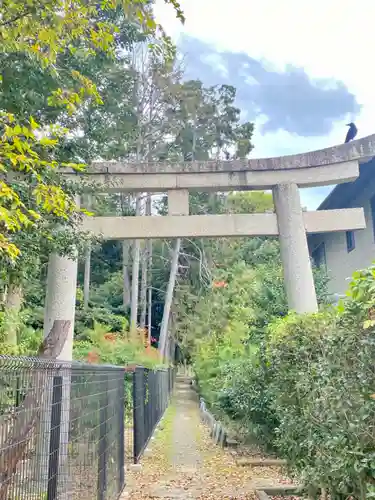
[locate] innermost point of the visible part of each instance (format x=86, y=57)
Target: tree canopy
x=83, y=82
x=50, y=41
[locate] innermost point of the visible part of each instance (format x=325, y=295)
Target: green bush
x=101, y=346
x=29, y=339
x=108, y=294
x=229, y=321
x=215, y=352
x=87, y=319
x=323, y=391
x=245, y=399
x=307, y=388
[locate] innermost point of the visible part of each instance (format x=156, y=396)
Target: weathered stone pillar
x=298, y=276
x=60, y=301
x=61, y=298
x=59, y=304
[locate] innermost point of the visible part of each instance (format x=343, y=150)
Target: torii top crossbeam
x=323, y=167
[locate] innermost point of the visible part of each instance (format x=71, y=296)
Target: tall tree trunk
x=135, y=276
x=86, y=279
x=145, y=268
x=13, y=304
x=172, y=332
x=172, y=349
x=143, y=291
x=163, y=340
x=126, y=297
x=4, y=295
x=87, y=272
x=149, y=313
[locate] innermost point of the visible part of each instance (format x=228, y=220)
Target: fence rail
x=59, y=430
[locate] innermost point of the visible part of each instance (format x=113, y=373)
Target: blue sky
x=302, y=69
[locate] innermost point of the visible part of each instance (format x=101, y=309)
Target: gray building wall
x=340, y=263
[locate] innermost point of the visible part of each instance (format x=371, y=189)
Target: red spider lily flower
x=110, y=336
x=220, y=284
x=130, y=368
x=92, y=357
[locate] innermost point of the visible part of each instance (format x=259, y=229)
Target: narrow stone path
x=182, y=462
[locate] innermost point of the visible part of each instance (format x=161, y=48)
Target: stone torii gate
x=284, y=175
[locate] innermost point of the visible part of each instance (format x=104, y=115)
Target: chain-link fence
x=66, y=428
x=129, y=415
x=151, y=393
x=61, y=430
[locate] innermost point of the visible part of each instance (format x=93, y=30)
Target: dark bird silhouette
x=352, y=132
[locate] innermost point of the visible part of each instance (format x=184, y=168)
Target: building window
x=350, y=241
x=372, y=204
x=319, y=256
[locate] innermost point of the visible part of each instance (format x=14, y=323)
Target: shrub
x=244, y=397
x=308, y=389
x=213, y=353
x=29, y=339
x=87, y=319
x=101, y=346
x=322, y=390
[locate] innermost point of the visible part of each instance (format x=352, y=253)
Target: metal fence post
x=54, y=443
x=121, y=421
x=155, y=395
x=103, y=440
x=162, y=391
x=138, y=412
x=147, y=395
x=166, y=388
x=151, y=395
x=135, y=416
x=158, y=392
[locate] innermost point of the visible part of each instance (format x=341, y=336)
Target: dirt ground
x=184, y=463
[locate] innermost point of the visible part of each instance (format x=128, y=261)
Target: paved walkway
x=183, y=462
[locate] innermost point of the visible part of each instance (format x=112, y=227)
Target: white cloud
x=216, y=61
x=328, y=39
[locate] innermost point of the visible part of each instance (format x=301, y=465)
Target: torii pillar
x=298, y=276
x=60, y=300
